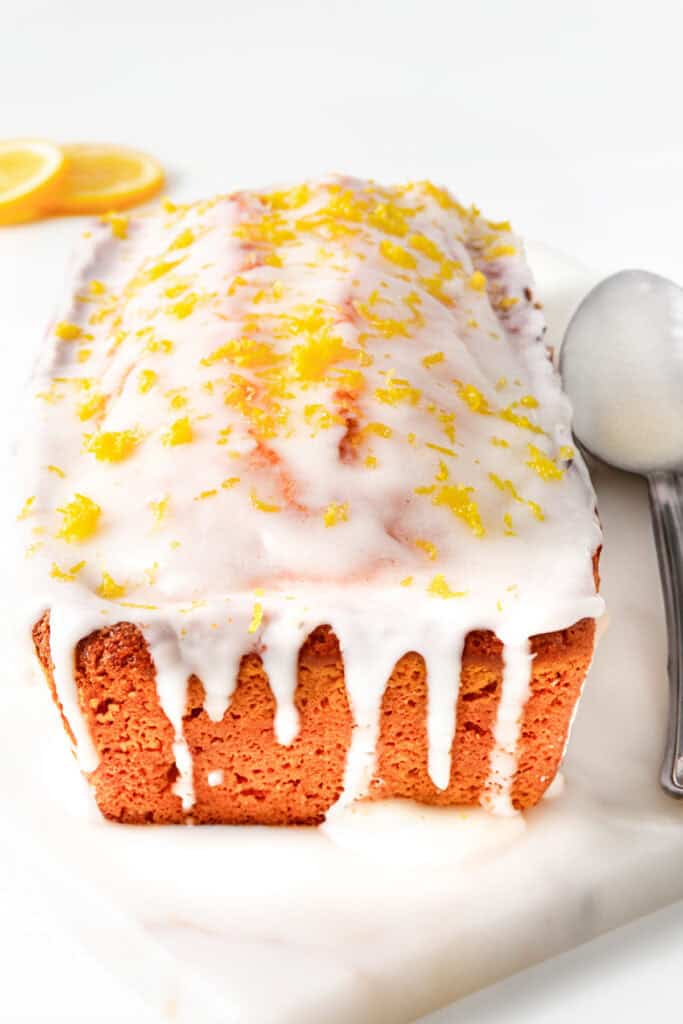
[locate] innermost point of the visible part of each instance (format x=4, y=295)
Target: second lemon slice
x=100, y=178
x=31, y=173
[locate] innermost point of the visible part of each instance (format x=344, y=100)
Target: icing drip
x=275, y=410
x=517, y=662
x=66, y=629
x=171, y=680
x=443, y=679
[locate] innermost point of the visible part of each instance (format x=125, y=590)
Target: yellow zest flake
x=529, y=402
x=273, y=260
x=441, y=448
x=472, y=323
x=230, y=482
x=206, y=494
x=440, y=195
x=510, y=416
x=407, y=581
x=567, y=452
x=508, y=302
x=499, y=225
x=184, y=307
x=224, y=435
x=509, y=528
x=536, y=510
x=172, y=291
x=160, y=345
x=434, y=285
x=109, y=589
x=142, y=607
x=243, y=352
x=151, y=573
x=271, y=229
x=159, y=269
x=456, y=498
x=495, y=252
x=507, y=487
x=380, y=429
x=397, y=254
x=183, y=240
x=83, y=355
x=180, y=432
x=439, y=588
x=288, y=199
x=97, y=288
x=91, y=407
x=257, y=617
x=477, y=281
x=501, y=383
x=351, y=380
x=433, y=359
x=425, y=489
x=397, y=391
x=146, y=381
x=262, y=506
x=66, y=575
x=32, y=549
x=543, y=464
x=80, y=518
x=112, y=445
x=388, y=327
x=474, y=398
x=160, y=508
x=370, y=462
x=429, y=549
x=312, y=359
x=176, y=398
x=336, y=514
x=237, y=282
x=442, y=473
x=500, y=442
x=412, y=299
x=67, y=332
x=27, y=507
x=60, y=472
x=320, y=417
x=389, y=218
x=118, y=222
x=427, y=247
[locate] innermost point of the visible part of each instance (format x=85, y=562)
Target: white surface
x=565, y=120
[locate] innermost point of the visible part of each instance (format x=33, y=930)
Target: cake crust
x=265, y=783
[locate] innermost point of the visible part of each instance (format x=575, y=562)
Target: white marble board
x=284, y=926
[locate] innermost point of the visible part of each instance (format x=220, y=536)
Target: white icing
x=503, y=760
x=218, y=573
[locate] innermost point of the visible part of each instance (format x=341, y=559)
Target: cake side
x=242, y=775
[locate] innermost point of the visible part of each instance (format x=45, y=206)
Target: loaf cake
x=302, y=518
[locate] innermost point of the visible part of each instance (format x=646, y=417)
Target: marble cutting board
x=281, y=926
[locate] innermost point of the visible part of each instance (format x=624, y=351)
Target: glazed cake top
x=329, y=383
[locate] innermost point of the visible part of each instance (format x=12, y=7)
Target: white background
x=565, y=117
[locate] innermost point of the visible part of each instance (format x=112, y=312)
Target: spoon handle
x=666, y=508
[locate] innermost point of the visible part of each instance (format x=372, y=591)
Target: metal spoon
x=622, y=367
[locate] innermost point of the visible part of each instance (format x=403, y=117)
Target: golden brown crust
x=266, y=783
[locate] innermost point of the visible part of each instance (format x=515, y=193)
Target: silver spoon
x=622, y=366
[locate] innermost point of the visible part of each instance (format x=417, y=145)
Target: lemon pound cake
x=303, y=523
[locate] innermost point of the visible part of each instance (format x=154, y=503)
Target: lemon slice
x=31, y=173
x=101, y=177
